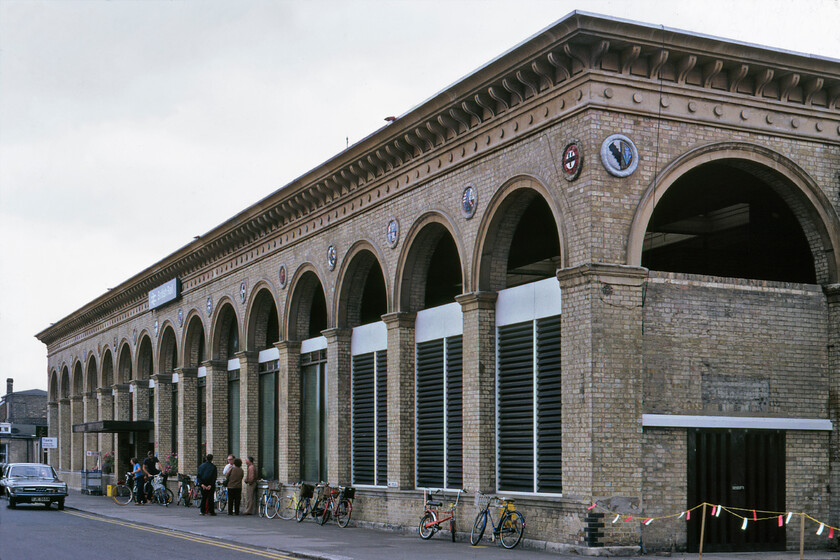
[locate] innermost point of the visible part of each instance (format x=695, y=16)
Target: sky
x=128, y=127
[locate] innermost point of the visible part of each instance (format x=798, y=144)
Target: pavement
x=330, y=542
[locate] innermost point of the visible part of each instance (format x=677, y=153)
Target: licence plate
x=40, y=499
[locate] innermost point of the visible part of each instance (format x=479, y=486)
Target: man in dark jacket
x=207, y=475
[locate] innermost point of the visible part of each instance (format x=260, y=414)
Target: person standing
x=228, y=466
x=139, y=478
x=206, y=475
x=250, y=486
x=150, y=469
x=234, y=485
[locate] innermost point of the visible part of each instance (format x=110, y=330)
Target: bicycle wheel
x=183, y=496
x=261, y=505
x=302, y=509
x=168, y=496
x=221, y=498
x=478, y=527
x=452, y=527
x=511, y=528
x=123, y=494
x=286, y=506
x=342, y=514
x=325, y=514
x=271, y=505
x=195, y=497
x=427, y=526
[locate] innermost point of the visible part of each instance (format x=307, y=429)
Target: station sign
x=49, y=443
x=165, y=293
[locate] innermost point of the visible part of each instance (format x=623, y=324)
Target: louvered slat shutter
x=549, y=406
x=429, y=428
x=382, y=418
x=516, y=407
x=454, y=412
x=363, y=419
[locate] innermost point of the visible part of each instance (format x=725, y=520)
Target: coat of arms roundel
x=619, y=155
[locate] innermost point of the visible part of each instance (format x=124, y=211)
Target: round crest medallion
x=619, y=155
x=572, y=160
x=209, y=306
x=332, y=257
x=392, y=234
x=281, y=275
x=469, y=202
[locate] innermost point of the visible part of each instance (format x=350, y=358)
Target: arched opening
x=92, y=376
x=65, y=383
x=730, y=218
x=433, y=272
x=53, y=389
x=264, y=325
x=124, y=373
x=194, y=354
x=362, y=303
x=520, y=254
x=168, y=351
x=144, y=359
x=225, y=348
x=107, y=369
x=78, y=379
x=307, y=319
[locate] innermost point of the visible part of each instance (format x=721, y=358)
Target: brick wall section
x=807, y=476
x=140, y=400
x=665, y=488
x=53, y=431
x=122, y=411
x=217, y=408
x=65, y=430
x=479, y=390
x=724, y=346
x=163, y=415
x=339, y=419
x=77, y=440
x=400, y=390
x=249, y=412
x=288, y=380
x=833, y=297
x=188, y=421
x=106, y=412
x=90, y=441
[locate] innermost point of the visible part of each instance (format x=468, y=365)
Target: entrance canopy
x=114, y=426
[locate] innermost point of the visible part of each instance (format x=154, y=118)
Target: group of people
x=240, y=479
x=142, y=472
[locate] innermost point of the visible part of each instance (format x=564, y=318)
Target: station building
x=602, y=269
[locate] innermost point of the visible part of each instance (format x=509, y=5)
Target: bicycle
x=511, y=523
x=434, y=515
x=221, y=496
x=184, y=490
x=286, y=505
x=160, y=493
x=267, y=506
x=309, y=504
x=124, y=490
x=338, y=504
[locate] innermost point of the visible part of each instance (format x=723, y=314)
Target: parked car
x=33, y=483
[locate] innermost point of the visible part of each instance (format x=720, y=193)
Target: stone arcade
x=605, y=268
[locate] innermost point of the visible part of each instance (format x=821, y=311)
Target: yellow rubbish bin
x=109, y=490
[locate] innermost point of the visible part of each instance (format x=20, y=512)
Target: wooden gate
x=738, y=469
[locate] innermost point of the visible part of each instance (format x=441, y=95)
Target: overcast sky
x=129, y=127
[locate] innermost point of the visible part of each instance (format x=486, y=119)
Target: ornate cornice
x=796, y=94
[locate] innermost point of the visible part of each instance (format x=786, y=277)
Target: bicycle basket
x=307, y=490
x=482, y=500
x=184, y=478
x=349, y=493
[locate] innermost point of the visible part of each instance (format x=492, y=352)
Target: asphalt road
x=32, y=532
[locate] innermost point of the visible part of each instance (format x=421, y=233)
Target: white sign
x=5, y=428
x=92, y=453
x=49, y=443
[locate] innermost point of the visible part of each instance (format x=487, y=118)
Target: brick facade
x=636, y=343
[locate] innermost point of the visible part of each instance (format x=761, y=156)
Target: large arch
x=263, y=320
x=145, y=358
x=91, y=376
x=167, y=349
x=107, y=370
x=124, y=369
x=78, y=381
x=194, y=342
x=64, y=390
x=523, y=216
x=432, y=236
x=363, y=290
x=307, y=313
x=810, y=206
x=225, y=336
x=53, y=387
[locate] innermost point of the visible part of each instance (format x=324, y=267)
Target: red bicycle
x=434, y=514
x=339, y=504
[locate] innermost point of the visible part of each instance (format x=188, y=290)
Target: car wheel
x=12, y=503
x=60, y=504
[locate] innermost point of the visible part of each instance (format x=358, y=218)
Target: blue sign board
x=165, y=293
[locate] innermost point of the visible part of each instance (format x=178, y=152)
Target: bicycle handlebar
x=429, y=492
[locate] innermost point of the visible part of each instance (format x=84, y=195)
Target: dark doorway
x=743, y=470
